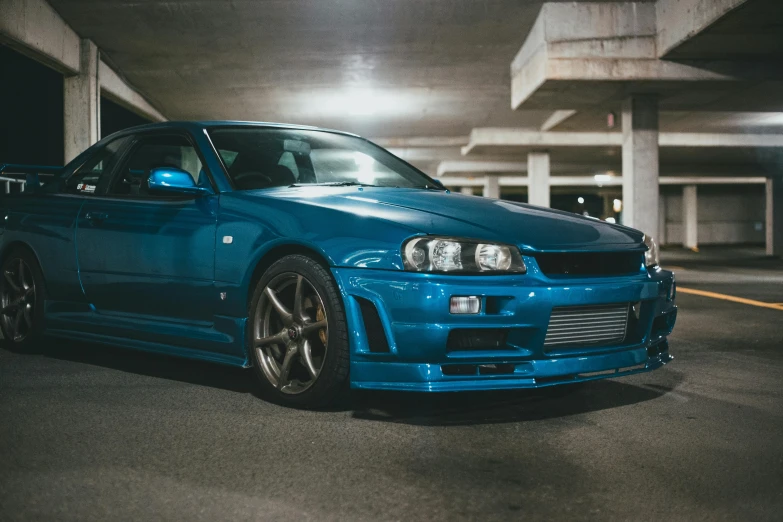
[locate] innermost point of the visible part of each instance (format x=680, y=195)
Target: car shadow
x=151, y=364
x=496, y=407
x=421, y=409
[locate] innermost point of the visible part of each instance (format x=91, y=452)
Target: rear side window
x=85, y=179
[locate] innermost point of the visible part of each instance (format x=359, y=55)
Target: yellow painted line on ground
x=732, y=298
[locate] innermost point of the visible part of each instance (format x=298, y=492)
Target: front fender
x=249, y=228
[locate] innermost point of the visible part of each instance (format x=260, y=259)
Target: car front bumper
x=413, y=314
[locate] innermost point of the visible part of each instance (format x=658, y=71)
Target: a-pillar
x=775, y=216
x=82, y=103
x=492, y=186
x=640, y=163
x=538, y=178
x=690, y=217
x=467, y=190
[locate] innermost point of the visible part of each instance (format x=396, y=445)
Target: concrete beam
x=424, y=141
x=116, y=89
x=579, y=55
x=556, y=118
x=34, y=28
x=487, y=139
x=511, y=137
x=603, y=181
x=680, y=20
x=716, y=180
x=503, y=181
x=479, y=167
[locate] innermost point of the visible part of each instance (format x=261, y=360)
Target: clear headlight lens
x=652, y=257
x=436, y=254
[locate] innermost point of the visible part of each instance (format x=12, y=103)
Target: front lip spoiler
x=506, y=382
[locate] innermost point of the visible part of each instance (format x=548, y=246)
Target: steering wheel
x=251, y=179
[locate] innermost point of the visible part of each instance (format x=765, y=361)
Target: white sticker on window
x=84, y=187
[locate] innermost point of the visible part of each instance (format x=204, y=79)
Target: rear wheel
x=298, y=334
x=21, y=300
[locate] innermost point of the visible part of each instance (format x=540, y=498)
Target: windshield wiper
x=333, y=184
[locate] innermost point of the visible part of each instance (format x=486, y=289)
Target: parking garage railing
x=14, y=178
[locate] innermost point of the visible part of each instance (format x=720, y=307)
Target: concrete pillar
x=640, y=163
x=491, y=186
x=662, y=239
x=467, y=190
x=538, y=179
x=775, y=216
x=690, y=217
x=82, y=103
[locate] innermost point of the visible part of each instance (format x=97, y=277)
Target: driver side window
x=153, y=152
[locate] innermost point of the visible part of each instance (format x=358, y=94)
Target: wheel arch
x=9, y=247
x=275, y=253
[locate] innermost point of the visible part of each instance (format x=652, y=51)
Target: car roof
x=199, y=125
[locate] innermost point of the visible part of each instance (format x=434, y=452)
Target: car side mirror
x=174, y=181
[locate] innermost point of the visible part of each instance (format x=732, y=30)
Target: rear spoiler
x=31, y=180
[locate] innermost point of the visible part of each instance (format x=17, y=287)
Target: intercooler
x=587, y=325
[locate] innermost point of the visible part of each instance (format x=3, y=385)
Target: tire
x=21, y=301
x=297, y=328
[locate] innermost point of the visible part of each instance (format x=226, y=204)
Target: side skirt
x=146, y=346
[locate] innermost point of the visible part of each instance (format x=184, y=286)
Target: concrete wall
x=727, y=215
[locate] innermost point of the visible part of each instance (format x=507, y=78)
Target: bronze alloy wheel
x=298, y=334
x=291, y=333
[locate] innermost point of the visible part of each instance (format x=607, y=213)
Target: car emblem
x=292, y=333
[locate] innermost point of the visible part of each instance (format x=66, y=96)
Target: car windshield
x=257, y=158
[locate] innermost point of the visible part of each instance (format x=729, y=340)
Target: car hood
x=452, y=214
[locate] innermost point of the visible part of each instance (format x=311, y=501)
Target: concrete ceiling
x=751, y=31
x=376, y=67
x=381, y=68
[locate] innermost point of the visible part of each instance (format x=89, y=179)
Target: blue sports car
x=323, y=262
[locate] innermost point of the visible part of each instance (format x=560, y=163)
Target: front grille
x=590, y=263
x=587, y=325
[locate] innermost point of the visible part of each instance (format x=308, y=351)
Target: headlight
x=652, y=256
x=443, y=254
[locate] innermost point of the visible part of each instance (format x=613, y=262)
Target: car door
x=147, y=258
x=46, y=220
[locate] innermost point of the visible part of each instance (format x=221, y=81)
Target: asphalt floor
x=92, y=432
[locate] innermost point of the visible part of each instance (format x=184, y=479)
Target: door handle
x=96, y=217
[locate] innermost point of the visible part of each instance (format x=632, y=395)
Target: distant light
x=617, y=205
x=610, y=220
x=581, y=200
x=772, y=119
x=356, y=102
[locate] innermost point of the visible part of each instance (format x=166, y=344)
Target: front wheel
x=298, y=334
